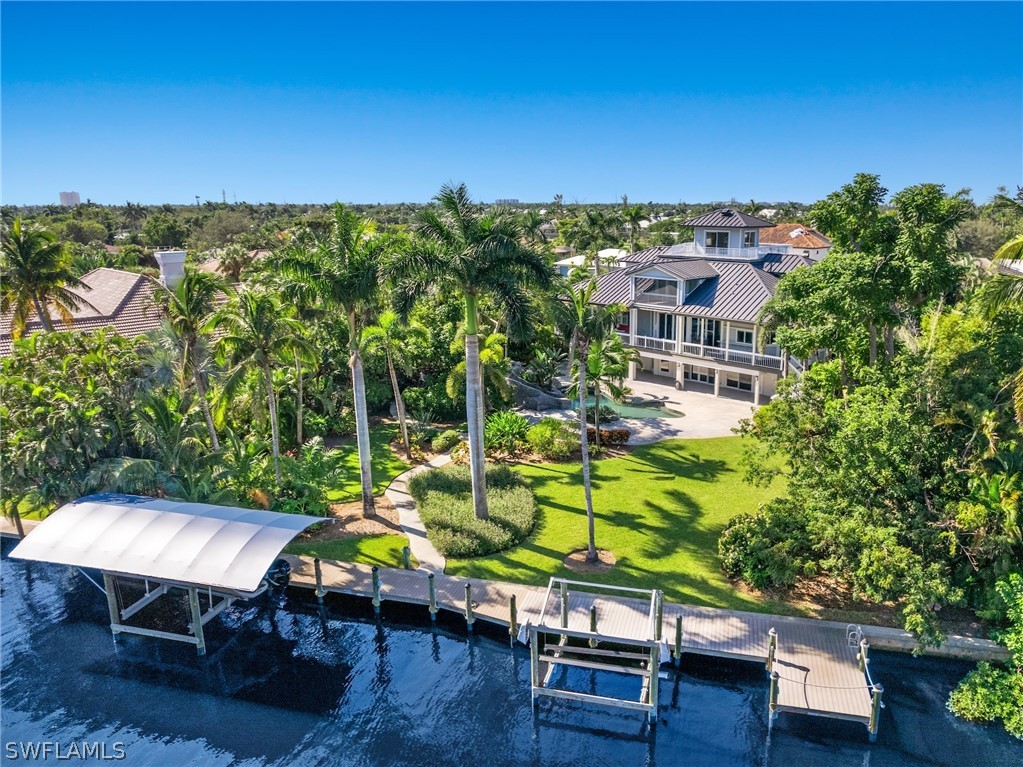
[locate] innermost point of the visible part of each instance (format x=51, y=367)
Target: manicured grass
x=383, y=550
x=659, y=509
x=386, y=465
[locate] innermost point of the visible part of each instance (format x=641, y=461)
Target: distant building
x=70, y=199
x=800, y=238
x=506, y=201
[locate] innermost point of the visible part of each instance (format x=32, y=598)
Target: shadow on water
x=290, y=682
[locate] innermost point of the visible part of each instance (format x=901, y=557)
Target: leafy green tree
x=163, y=229
x=343, y=266
x=494, y=368
x=390, y=338
x=632, y=215
x=35, y=273
x=258, y=337
x=460, y=247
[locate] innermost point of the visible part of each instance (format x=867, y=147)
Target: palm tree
x=494, y=366
x=189, y=308
x=589, y=323
x=607, y=367
x=458, y=246
x=532, y=228
x=1004, y=292
x=258, y=336
x=631, y=216
x=390, y=339
x=343, y=269
x=35, y=272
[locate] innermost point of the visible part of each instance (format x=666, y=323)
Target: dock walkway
x=818, y=670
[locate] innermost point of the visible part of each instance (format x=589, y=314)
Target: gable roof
x=113, y=299
x=688, y=269
x=728, y=218
x=796, y=235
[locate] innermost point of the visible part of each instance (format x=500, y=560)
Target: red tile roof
x=796, y=235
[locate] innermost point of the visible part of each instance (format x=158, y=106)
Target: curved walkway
x=408, y=515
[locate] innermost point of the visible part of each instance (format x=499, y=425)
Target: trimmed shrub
x=505, y=432
x=552, y=439
x=444, y=498
x=765, y=548
x=608, y=437
x=607, y=414
x=445, y=441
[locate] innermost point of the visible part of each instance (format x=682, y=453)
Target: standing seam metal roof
x=728, y=218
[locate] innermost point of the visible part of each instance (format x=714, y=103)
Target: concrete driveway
x=704, y=414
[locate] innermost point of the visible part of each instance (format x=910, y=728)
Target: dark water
x=288, y=684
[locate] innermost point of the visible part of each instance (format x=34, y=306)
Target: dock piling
x=875, y=710
x=772, y=648
x=655, y=676
x=678, y=640
x=376, y=589
x=658, y=615
x=773, y=705
x=319, y=580
x=564, y=605
x=433, y=597
x=406, y=557
x=513, y=618
x=470, y=618
x=593, y=624
x=862, y=655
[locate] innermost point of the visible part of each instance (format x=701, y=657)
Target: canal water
x=289, y=683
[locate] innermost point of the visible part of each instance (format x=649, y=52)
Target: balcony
x=738, y=254
x=740, y=356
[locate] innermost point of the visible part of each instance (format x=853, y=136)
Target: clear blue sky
x=315, y=102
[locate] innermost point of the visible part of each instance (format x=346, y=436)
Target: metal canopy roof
x=222, y=547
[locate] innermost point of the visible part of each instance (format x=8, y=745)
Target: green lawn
x=659, y=509
x=383, y=550
x=386, y=465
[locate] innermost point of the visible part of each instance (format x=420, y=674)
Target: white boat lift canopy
x=220, y=551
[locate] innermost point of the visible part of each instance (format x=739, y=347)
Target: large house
x=693, y=308
x=801, y=239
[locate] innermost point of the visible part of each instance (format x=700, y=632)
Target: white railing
x=745, y=254
x=657, y=299
x=732, y=355
x=660, y=344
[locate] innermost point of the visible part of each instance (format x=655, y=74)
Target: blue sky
x=157, y=102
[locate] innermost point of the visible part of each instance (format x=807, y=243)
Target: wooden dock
x=815, y=666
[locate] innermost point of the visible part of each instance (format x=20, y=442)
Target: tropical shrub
x=505, y=432
x=444, y=498
x=609, y=437
x=305, y=479
x=764, y=548
x=445, y=441
x=552, y=439
x=607, y=414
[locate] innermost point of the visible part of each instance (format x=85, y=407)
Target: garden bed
x=444, y=498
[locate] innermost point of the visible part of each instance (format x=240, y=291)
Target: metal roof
x=728, y=218
x=222, y=547
x=690, y=269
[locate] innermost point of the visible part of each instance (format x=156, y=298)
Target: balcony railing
x=731, y=355
x=743, y=254
x=658, y=344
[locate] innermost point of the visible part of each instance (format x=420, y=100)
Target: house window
x=744, y=337
x=716, y=240
x=666, y=326
x=739, y=381
x=749, y=239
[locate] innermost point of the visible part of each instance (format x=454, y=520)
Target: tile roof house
x=800, y=238
x=693, y=308
x=113, y=299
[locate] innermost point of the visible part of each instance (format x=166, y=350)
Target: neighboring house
x=693, y=307
x=122, y=301
x=800, y=238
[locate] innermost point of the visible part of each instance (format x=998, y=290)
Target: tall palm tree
x=632, y=215
x=342, y=266
x=589, y=322
x=607, y=367
x=35, y=272
x=258, y=336
x=389, y=337
x=494, y=366
x=189, y=308
x=459, y=246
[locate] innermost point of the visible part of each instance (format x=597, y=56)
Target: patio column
x=680, y=376
x=717, y=383
x=756, y=390
x=634, y=368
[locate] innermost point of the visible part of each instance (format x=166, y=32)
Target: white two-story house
x=693, y=308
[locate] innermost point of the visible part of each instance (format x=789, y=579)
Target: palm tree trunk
x=298, y=401
x=571, y=350
x=474, y=410
x=596, y=413
x=591, y=552
x=399, y=406
x=200, y=389
x=44, y=316
x=361, y=419
x=275, y=435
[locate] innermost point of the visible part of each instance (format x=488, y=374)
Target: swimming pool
x=635, y=409
x=288, y=683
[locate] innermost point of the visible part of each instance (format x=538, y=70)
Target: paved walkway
x=411, y=523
